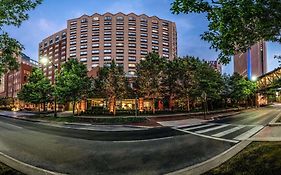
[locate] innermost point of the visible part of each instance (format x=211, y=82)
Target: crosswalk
x=226, y=132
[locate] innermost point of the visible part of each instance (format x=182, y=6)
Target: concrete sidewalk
x=269, y=133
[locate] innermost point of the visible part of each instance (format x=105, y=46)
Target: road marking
x=209, y=137
x=198, y=127
x=212, y=129
x=249, y=133
x=221, y=134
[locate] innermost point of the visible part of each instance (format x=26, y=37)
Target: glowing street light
x=254, y=78
x=44, y=60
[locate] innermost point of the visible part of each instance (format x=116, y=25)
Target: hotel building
x=97, y=40
x=252, y=64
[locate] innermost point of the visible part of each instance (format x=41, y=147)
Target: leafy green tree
x=111, y=84
x=235, y=25
x=72, y=83
x=242, y=89
x=37, y=90
x=12, y=13
x=149, y=77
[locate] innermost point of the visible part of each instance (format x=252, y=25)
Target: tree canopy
x=235, y=25
x=38, y=88
x=12, y=12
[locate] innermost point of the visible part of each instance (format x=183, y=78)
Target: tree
x=37, y=90
x=12, y=13
x=149, y=77
x=111, y=84
x=72, y=83
x=235, y=25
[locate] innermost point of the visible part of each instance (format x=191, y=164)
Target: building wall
x=98, y=39
x=54, y=48
x=14, y=80
x=258, y=61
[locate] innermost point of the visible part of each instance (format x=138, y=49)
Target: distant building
x=12, y=82
x=216, y=65
x=252, y=64
x=99, y=39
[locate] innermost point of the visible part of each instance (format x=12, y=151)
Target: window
x=83, y=41
x=131, y=73
x=143, y=25
x=107, y=58
x=165, y=44
x=165, y=28
x=119, y=23
x=155, y=47
x=95, y=24
x=96, y=18
x=132, y=23
x=119, y=18
x=107, y=18
x=165, y=38
x=165, y=49
x=143, y=52
x=144, y=46
x=119, y=33
x=143, y=29
x=155, y=36
x=107, y=28
x=72, y=42
x=95, y=51
x=84, y=30
x=83, y=60
x=119, y=28
x=132, y=33
x=83, y=53
x=107, y=39
x=73, y=32
x=144, y=40
x=132, y=39
x=73, y=37
x=132, y=58
x=154, y=31
x=119, y=51
x=143, y=34
x=73, y=22
x=143, y=20
x=131, y=18
x=51, y=42
x=119, y=44
x=155, y=42
x=165, y=55
x=166, y=24
x=95, y=58
x=72, y=54
x=107, y=51
x=119, y=58
x=132, y=45
x=107, y=44
x=132, y=51
x=83, y=47
x=107, y=33
x=132, y=28
x=107, y=23
x=57, y=39
x=72, y=48
x=132, y=66
x=84, y=20
x=95, y=39
x=95, y=34
x=165, y=33
x=95, y=29
x=83, y=36
x=119, y=39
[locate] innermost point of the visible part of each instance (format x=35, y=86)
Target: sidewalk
x=269, y=133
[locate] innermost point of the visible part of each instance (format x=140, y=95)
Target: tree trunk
x=153, y=105
x=114, y=106
x=44, y=108
x=187, y=104
x=73, y=108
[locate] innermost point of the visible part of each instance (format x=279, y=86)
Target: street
x=151, y=151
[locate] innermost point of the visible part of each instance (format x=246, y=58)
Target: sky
x=52, y=15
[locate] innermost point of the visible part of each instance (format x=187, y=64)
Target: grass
x=117, y=120
x=5, y=170
x=259, y=158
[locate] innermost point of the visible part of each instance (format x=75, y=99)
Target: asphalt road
x=76, y=152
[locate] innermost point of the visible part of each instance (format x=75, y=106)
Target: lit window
x=107, y=33
x=107, y=39
x=144, y=40
x=72, y=48
x=132, y=45
x=83, y=60
x=83, y=41
x=95, y=39
x=131, y=18
x=95, y=58
x=119, y=44
x=143, y=34
x=83, y=47
x=107, y=51
x=132, y=33
x=132, y=51
x=166, y=49
x=107, y=58
x=83, y=53
x=95, y=45
x=132, y=59
x=95, y=18
x=95, y=51
x=155, y=42
x=107, y=44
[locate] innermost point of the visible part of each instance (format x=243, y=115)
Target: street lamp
x=44, y=61
x=254, y=78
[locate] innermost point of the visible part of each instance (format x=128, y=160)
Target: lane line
x=221, y=134
x=249, y=133
x=209, y=137
x=212, y=129
x=198, y=127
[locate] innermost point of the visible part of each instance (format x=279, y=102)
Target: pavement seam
x=273, y=122
x=214, y=162
x=24, y=167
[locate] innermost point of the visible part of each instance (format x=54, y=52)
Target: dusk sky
x=51, y=16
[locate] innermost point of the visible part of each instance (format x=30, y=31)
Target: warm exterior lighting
x=254, y=78
x=44, y=60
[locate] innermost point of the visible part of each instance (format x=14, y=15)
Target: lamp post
x=45, y=61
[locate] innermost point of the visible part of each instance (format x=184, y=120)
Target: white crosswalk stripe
x=219, y=131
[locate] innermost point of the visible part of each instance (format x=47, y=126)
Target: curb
x=214, y=162
x=24, y=167
x=273, y=123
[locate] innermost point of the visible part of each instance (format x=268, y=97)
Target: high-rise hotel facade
x=97, y=40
